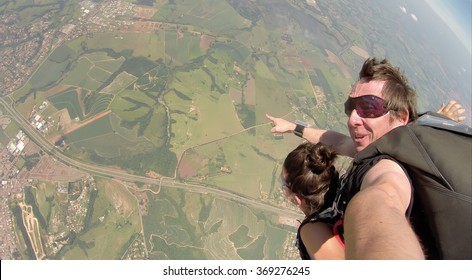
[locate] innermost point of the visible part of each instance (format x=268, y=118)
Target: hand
x=453, y=110
x=280, y=125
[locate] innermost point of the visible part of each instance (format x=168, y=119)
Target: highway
x=49, y=148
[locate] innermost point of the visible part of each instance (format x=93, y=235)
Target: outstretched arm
x=375, y=224
x=342, y=143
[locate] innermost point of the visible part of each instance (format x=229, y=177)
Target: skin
x=364, y=131
x=375, y=222
x=343, y=144
x=453, y=110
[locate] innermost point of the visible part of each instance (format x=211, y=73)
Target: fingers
x=450, y=105
x=460, y=111
x=453, y=110
x=440, y=111
x=273, y=120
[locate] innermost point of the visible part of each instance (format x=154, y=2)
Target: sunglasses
x=367, y=106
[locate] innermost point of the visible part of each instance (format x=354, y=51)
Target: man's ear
x=403, y=117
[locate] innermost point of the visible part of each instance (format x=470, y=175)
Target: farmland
x=181, y=96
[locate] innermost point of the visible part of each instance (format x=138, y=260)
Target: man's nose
x=354, y=119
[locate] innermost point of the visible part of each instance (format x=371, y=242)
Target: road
x=49, y=148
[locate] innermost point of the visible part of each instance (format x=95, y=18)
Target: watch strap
x=299, y=130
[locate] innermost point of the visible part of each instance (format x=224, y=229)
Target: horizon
x=457, y=16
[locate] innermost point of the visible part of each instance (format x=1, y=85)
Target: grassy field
x=190, y=226
x=95, y=129
x=182, y=47
x=68, y=100
x=115, y=220
x=172, y=101
x=218, y=17
x=149, y=45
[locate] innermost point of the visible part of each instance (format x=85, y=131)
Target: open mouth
x=359, y=138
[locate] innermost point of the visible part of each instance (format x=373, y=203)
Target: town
x=24, y=47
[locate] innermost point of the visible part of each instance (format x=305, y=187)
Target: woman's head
x=310, y=176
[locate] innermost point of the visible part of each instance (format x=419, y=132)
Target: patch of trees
x=247, y=9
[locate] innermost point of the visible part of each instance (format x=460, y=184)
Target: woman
x=309, y=180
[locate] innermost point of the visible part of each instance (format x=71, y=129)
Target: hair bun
x=320, y=158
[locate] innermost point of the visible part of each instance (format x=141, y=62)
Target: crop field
x=68, y=100
x=97, y=128
x=93, y=70
x=149, y=45
x=216, y=16
x=122, y=81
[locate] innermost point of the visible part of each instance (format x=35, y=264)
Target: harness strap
x=338, y=232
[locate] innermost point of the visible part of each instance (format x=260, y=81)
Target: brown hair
x=398, y=94
x=310, y=173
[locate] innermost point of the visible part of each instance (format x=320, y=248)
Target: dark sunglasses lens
x=348, y=106
x=367, y=106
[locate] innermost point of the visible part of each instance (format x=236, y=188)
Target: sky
x=457, y=15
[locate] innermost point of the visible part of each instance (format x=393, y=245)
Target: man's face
x=363, y=129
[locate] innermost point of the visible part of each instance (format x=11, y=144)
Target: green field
x=68, y=100
x=114, y=222
x=95, y=129
x=170, y=98
x=218, y=17
x=200, y=230
x=192, y=113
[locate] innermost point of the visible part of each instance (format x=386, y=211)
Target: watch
x=299, y=130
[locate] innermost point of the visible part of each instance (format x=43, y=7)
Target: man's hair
x=310, y=173
x=398, y=94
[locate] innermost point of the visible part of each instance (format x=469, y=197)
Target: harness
x=436, y=154
x=349, y=185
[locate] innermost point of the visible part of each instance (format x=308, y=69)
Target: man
x=375, y=223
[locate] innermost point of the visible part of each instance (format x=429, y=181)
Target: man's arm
x=375, y=223
x=341, y=143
